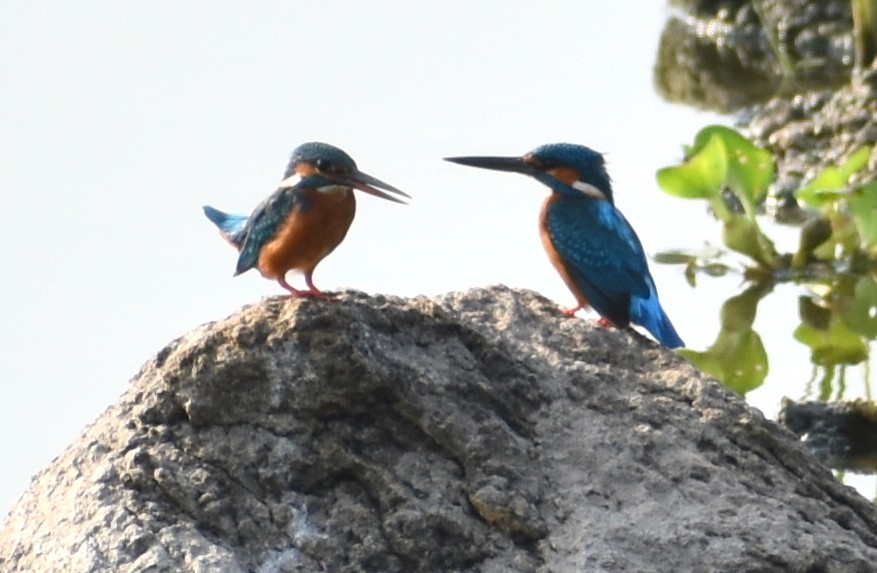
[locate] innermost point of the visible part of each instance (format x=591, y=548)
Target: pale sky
x=119, y=120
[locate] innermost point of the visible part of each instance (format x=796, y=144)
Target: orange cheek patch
x=565, y=175
x=305, y=169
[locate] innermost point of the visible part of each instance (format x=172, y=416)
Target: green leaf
x=814, y=232
x=726, y=134
x=863, y=207
x=716, y=269
x=750, y=169
x=737, y=357
x=707, y=253
x=738, y=312
x=825, y=186
x=855, y=162
x=838, y=344
x=813, y=315
x=700, y=177
x=674, y=257
x=750, y=173
x=861, y=313
x=743, y=235
x=691, y=274
x=816, y=193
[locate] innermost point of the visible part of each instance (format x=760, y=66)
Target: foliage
x=836, y=259
x=737, y=357
x=722, y=159
x=850, y=212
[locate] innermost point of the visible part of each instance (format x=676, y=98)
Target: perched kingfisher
x=304, y=219
x=590, y=243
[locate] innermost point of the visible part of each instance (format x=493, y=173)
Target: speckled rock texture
x=477, y=431
x=811, y=131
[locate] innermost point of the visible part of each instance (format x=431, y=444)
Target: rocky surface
x=479, y=431
x=814, y=130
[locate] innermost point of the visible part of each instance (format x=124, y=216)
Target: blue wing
x=647, y=312
x=262, y=225
x=605, y=260
x=601, y=252
x=230, y=226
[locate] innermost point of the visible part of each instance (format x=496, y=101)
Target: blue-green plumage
x=589, y=241
x=268, y=216
x=304, y=219
x=585, y=161
x=605, y=262
x=230, y=226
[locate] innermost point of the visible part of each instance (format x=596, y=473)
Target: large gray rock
x=481, y=431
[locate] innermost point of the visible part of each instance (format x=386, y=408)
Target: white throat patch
x=333, y=188
x=588, y=190
x=295, y=179
x=290, y=181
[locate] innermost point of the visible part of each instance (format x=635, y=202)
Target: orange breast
x=553, y=255
x=307, y=236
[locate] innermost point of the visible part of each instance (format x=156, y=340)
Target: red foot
x=571, y=312
x=602, y=321
x=312, y=292
x=317, y=294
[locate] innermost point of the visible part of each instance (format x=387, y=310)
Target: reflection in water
x=841, y=434
x=836, y=262
x=694, y=68
x=725, y=56
x=737, y=357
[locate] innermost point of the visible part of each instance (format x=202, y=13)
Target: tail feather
x=647, y=312
x=231, y=227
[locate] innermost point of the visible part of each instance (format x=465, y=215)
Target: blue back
x=601, y=253
x=265, y=221
x=605, y=259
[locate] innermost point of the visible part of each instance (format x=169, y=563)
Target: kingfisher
x=589, y=242
x=303, y=221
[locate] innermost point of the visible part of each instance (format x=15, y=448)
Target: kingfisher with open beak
x=304, y=219
x=588, y=240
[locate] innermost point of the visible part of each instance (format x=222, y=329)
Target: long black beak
x=365, y=182
x=512, y=164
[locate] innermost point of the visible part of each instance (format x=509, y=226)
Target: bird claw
x=317, y=294
x=571, y=312
x=312, y=292
x=602, y=321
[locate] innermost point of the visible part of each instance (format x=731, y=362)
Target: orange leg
x=571, y=312
x=312, y=292
x=602, y=321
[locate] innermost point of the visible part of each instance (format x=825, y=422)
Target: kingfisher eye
x=326, y=166
x=538, y=162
